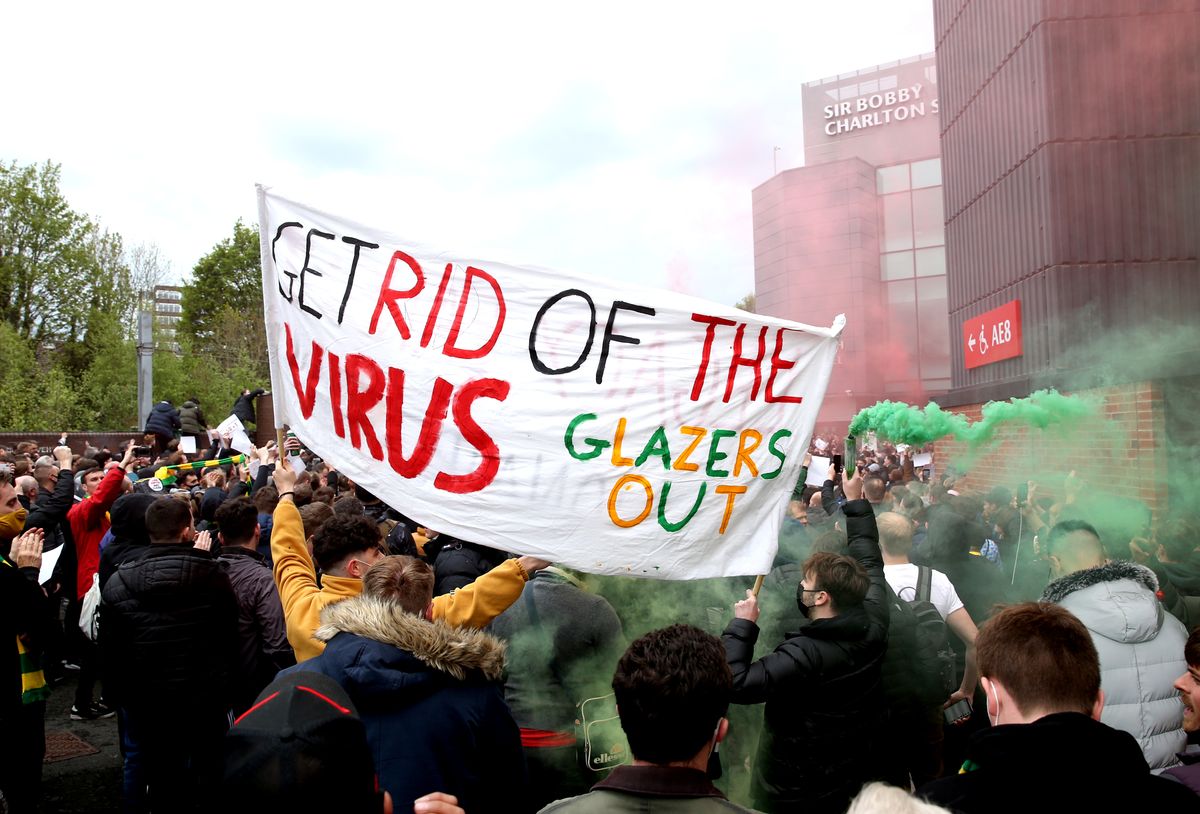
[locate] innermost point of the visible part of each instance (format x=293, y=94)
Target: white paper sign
x=821, y=444
x=817, y=471
x=234, y=428
x=187, y=444
x=49, y=560
x=606, y=426
x=922, y=459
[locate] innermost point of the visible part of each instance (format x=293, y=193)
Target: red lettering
x=706, y=353
x=778, y=363
x=390, y=297
x=459, y=353
x=308, y=393
x=431, y=427
x=475, y=436
x=359, y=401
x=427, y=334
x=751, y=362
x=335, y=393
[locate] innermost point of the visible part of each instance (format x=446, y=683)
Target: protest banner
x=609, y=427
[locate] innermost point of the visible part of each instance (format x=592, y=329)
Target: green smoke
x=905, y=424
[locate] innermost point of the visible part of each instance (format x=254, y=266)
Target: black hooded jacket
x=168, y=631
x=1062, y=762
x=163, y=420
x=822, y=688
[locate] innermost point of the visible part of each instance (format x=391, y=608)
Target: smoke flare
x=905, y=424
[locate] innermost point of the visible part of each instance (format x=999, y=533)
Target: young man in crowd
x=344, y=548
x=822, y=738
x=1140, y=646
x=169, y=630
x=1046, y=750
x=673, y=688
x=262, y=634
x=1188, y=686
x=430, y=694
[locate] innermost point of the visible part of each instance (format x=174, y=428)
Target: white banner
x=609, y=427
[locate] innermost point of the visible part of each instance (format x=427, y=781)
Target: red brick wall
x=1127, y=437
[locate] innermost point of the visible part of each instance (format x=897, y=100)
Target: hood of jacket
x=1116, y=600
x=190, y=405
x=456, y=652
x=1064, y=744
x=163, y=407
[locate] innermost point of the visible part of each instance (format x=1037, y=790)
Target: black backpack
x=920, y=666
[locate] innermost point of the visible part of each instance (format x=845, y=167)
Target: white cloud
x=619, y=140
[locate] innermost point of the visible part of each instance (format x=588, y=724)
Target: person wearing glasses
x=823, y=729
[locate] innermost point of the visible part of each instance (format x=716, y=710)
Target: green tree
x=747, y=303
x=226, y=281
x=44, y=254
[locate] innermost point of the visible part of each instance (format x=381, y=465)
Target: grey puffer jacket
x=1141, y=652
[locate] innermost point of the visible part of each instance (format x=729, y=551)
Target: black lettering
x=358, y=246
x=610, y=337
x=308, y=269
x=287, y=295
x=538, y=365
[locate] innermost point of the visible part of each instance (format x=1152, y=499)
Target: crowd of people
x=268, y=635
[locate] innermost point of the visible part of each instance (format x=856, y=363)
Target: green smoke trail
x=905, y=424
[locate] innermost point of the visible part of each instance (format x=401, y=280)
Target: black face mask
x=804, y=609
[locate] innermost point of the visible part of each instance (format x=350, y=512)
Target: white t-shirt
x=903, y=579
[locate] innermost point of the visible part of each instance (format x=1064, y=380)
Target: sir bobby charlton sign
x=609, y=427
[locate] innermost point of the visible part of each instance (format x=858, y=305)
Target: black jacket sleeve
x=863, y=542
x=51, y=512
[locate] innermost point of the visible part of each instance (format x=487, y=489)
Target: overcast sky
x=620, y=140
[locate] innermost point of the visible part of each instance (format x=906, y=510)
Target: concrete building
x=859, y=230
x=167, y=309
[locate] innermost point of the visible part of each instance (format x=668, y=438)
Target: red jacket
x=89, y=523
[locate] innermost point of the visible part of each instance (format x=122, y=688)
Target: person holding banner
x=474, y=605
x=822, y=686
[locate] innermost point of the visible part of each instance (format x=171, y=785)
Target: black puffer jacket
x=243, y=408
x=822, y=688
x=163, y=420
x=169, y=631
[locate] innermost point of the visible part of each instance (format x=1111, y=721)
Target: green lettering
x=782, y=456
x=662, y=508
x=714, y=455
x=657, y=445
x=597, y=446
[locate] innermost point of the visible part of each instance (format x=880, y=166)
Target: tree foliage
x=747, y=303
x=69, y=296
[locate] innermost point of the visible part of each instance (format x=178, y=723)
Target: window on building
x=891, y=179
x=934, y=328
x=896, y=266
x=931, y=262
x=927, y=173
x=900, y=358
x=929, y=227
x=897, y=222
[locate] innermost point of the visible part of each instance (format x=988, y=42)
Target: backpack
x=919, y=665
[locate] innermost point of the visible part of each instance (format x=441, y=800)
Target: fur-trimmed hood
x=1108, y=572
x=1116, y=600
x=458, y=652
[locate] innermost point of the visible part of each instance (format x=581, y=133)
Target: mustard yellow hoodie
x=472, y=605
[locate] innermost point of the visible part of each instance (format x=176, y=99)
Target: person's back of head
x=1073, y=545
x=895, y=534
x=1039, y=659
x=400, y=580
x=128, y=516
x=167, y=519
x=874, y=489
x=324, y=495
x=302, y=494
x=839, y=575
x=266, y=500
x=313, y=516
x=672, y=688
x=1178, y=537
x=348, y=504
x=237, y=521
x=342, y=537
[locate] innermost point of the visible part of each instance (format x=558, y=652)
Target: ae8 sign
x=993, y=336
